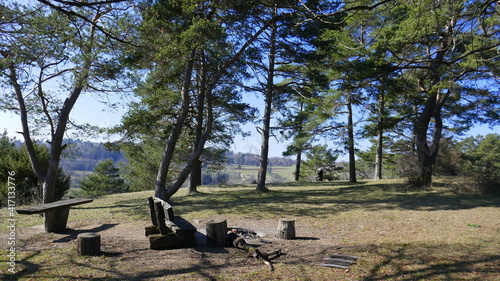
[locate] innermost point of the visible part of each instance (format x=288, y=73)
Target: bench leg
x=56, y=220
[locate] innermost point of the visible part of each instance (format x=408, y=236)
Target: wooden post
x=286, y=229
x=88, y=244
x=56, y=219
x=216, y=233
x=160, y=218
x=152, y=214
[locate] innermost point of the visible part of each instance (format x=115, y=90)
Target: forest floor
x=396, y=233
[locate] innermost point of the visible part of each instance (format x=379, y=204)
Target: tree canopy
x=405, y=72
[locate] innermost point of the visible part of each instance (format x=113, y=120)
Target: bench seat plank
x=52, y=206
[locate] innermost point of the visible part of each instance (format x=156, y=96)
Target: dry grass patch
x=399, y=235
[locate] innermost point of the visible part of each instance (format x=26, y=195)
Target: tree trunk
x=200, y=107
x=264, y=152
x=380, y=136
x=160, y=190
x=200, y=146
x=350, y=132
x=427, y=154
x=378, y=158
x=161, y=179
x=297, y=165
x=49, y=177
x=432, y=109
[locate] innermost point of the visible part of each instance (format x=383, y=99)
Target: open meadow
x=398, y=235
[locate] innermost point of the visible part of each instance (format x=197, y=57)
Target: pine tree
x=105, y=179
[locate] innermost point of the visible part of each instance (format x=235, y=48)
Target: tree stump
x=286, y=229
x=88, y=244
x=216, y=233
x=56, y=220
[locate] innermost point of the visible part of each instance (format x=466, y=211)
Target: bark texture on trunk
x=350, y=141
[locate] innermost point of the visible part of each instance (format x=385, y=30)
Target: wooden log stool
x=88, y=244
x=286, y=229
x=216, y=233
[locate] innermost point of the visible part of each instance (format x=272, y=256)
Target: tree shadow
x=28, y=270
x=327, y=200
x=426, y=262
x=72, y=234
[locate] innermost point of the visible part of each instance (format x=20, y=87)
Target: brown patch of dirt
x=127, y=243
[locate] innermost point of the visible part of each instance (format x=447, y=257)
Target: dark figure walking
x=320, y=174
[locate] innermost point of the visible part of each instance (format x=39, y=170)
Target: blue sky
x=89, y=110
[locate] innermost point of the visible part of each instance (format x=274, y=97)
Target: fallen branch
x=240, y=243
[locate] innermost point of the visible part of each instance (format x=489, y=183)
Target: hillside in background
x=81, y=158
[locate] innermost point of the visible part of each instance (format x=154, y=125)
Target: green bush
x=28, y=188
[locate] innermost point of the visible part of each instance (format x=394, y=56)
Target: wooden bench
x=55, y=213
x=168, y=231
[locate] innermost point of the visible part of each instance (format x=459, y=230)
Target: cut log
x=216, y=233
x=56, y=219
x=286, y=229
x=88, y=244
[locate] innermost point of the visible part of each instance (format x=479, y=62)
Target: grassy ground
x=399, y=235
x=275, y=174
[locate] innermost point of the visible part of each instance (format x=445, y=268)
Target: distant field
x=283, y=173
x=276, y=174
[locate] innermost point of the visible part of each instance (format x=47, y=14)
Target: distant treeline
x=84, y=156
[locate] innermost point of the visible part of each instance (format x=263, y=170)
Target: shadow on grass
x=323, y=200
x=72, y=234
x=29, y=268
x=429, y=262
x=377, y=262
x=316, y=200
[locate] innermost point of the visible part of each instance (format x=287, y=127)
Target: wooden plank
x=160, y=218
x=340, y=260
x=168, y=211
x=52, y=206
x=151, y=205
x=344, y=257
x=333, y=265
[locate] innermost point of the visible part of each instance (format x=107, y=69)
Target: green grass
x=283, y=173
x=399, y=234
